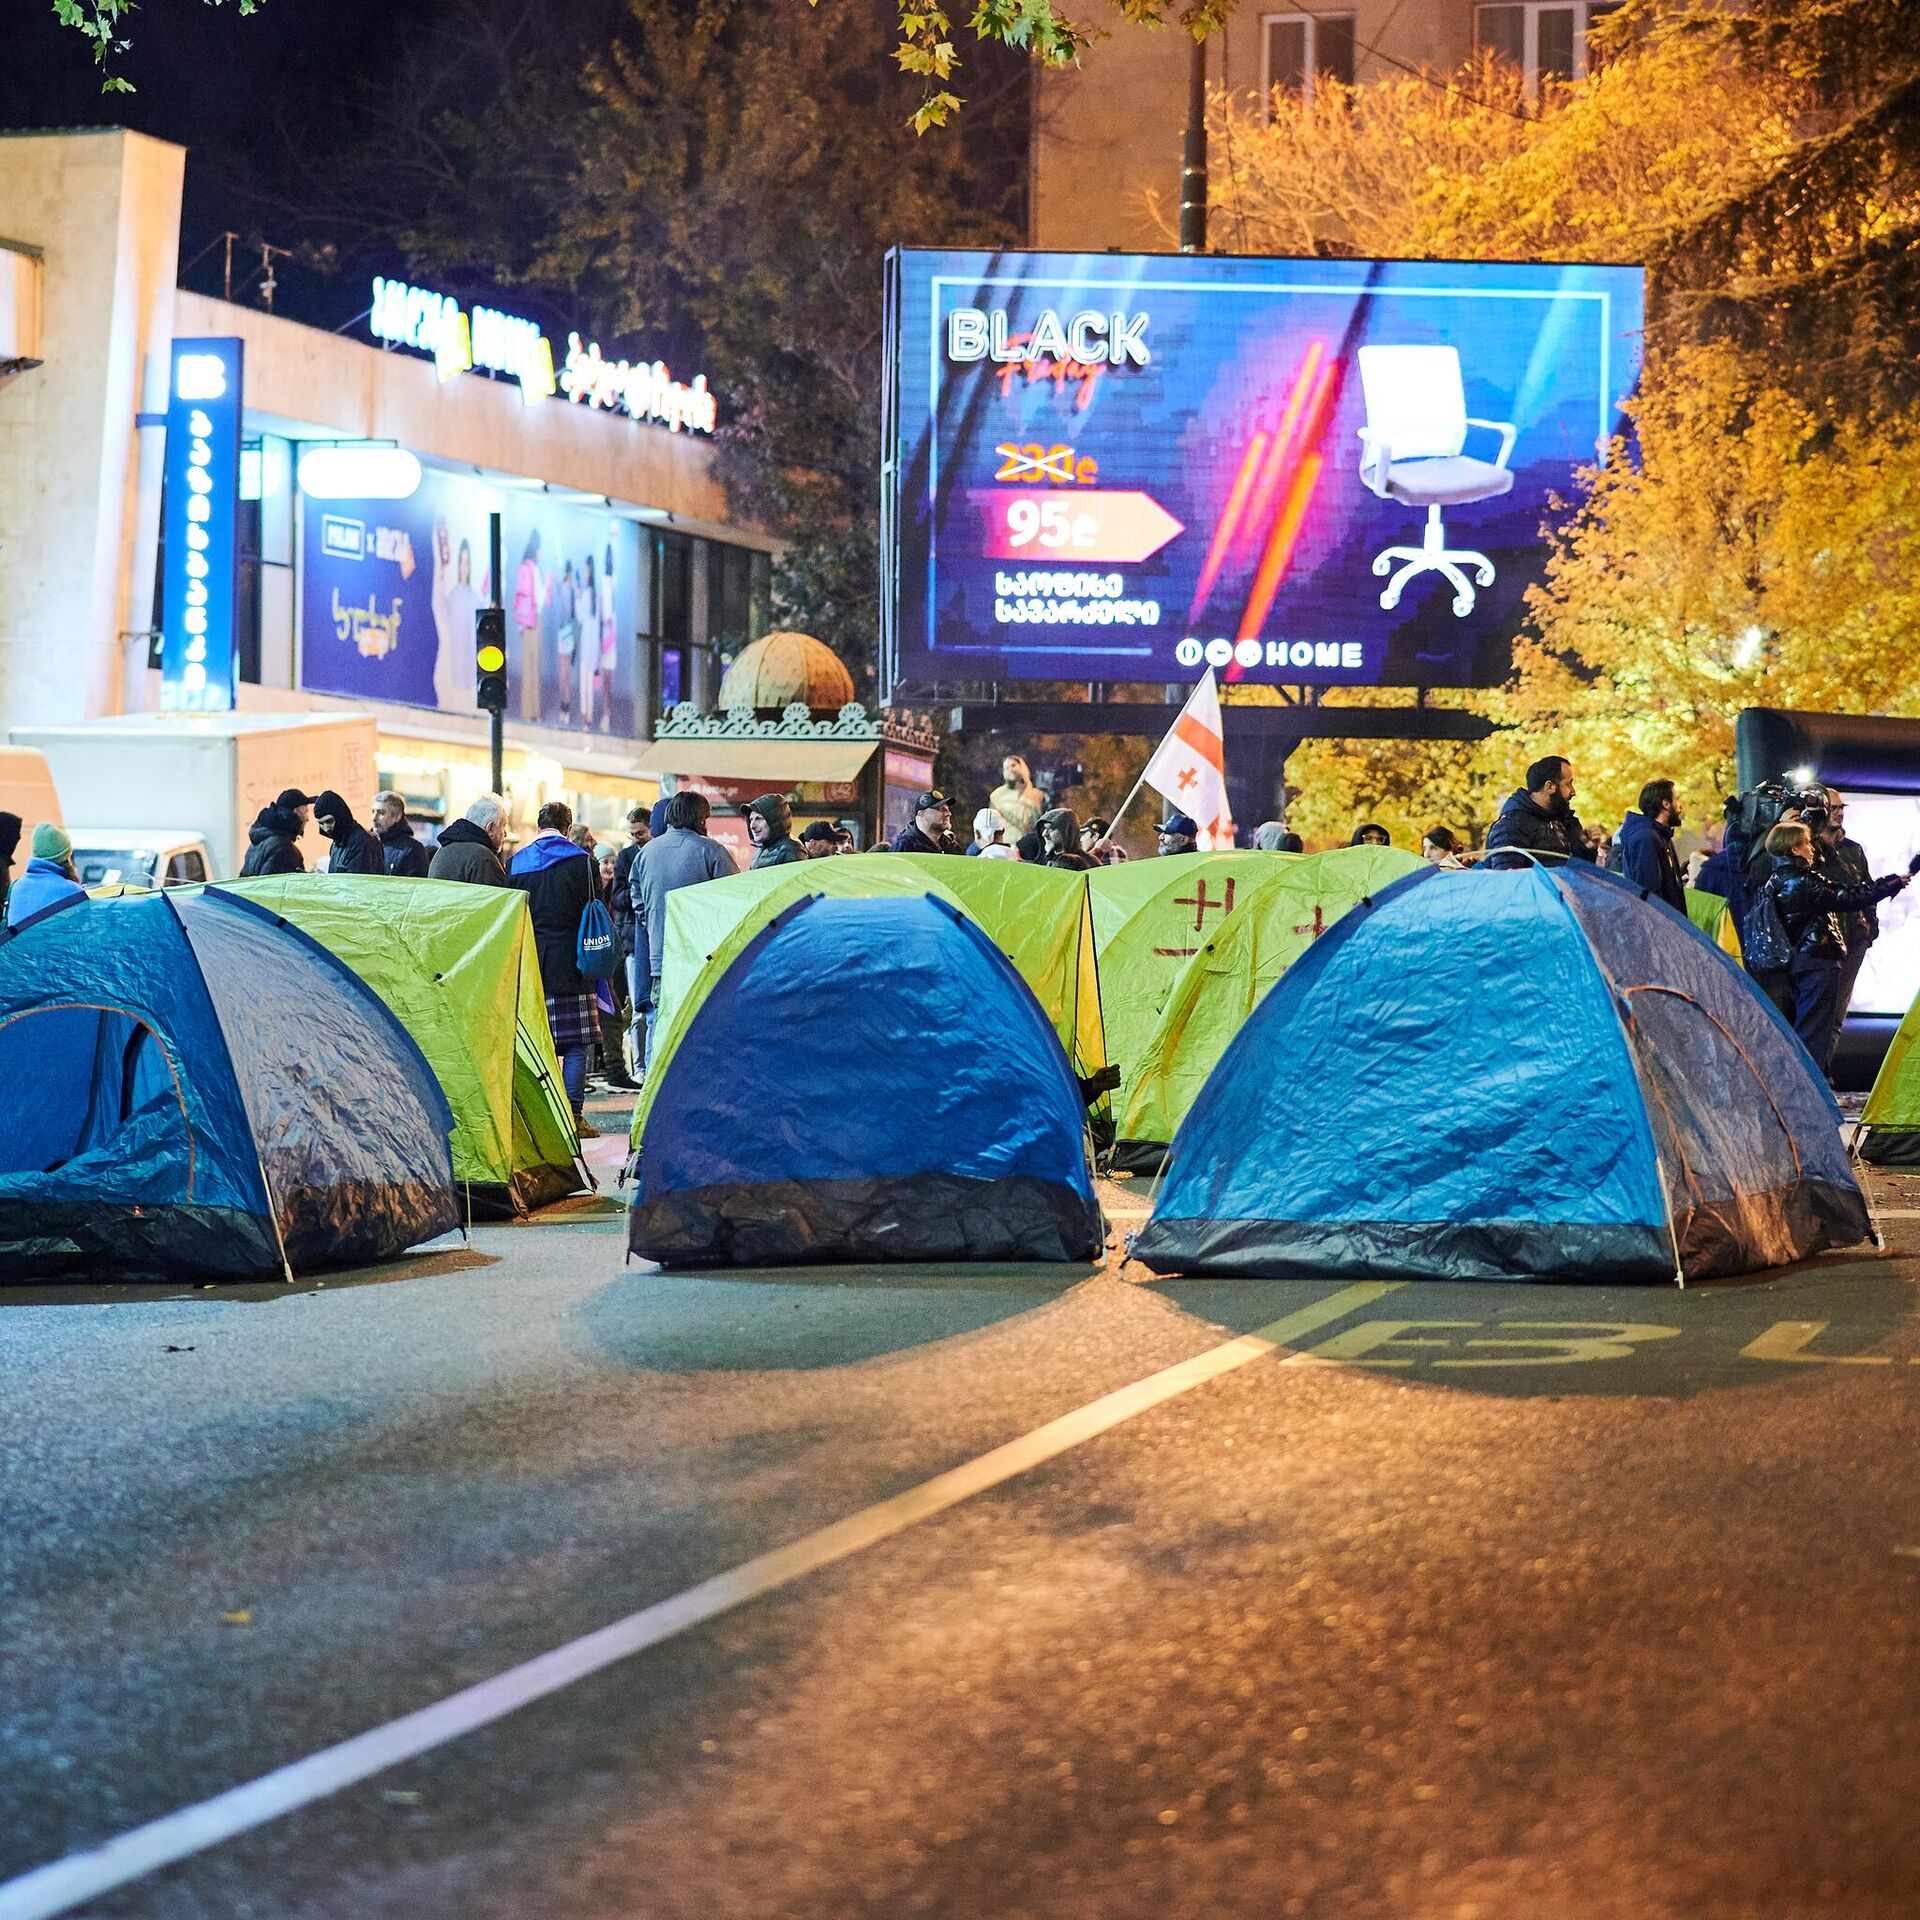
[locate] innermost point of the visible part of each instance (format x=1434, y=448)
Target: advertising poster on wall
x=389, y=589
x=1134, y=467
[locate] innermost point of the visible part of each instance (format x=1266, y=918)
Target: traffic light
x=490, y=659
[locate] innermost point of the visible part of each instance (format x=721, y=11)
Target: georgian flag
x=1189, y=767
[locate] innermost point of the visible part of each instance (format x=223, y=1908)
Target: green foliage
x=99, y=22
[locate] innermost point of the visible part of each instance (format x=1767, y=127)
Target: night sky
x=256, y=100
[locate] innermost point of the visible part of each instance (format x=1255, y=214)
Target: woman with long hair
x=531, y=592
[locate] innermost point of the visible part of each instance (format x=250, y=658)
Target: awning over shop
x=779, y=762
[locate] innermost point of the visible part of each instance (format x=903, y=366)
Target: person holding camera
x=1794, y=941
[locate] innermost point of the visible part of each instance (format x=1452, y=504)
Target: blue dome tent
x=189, y=1088
x=1533, y=1074
x=869, y=1080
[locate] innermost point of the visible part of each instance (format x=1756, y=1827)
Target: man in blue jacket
x=49, y=880
x=1647, y=857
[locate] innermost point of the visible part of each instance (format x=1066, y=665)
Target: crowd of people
x=1803, y=898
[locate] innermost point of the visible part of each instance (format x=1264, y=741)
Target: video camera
x=1752, y=815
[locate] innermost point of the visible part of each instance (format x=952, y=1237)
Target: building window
x=1545, y=39
x=1301, y=48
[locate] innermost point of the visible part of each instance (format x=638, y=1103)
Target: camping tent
x=188, y=1088
x=1150, y=917
x=1533, y=1073
x=456, y=966
x=1274, y=922
x=1038, y=916
x=870, y=1079
x=1890, y=1121
x=1709, y=912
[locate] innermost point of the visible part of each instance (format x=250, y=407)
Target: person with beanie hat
x=49, y=881
x=770, y=827
x=355, y=850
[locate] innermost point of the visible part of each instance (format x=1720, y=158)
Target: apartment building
x=1106, y=137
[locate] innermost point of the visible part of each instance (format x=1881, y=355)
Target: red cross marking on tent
x=1202, y=906
x=1319, y=924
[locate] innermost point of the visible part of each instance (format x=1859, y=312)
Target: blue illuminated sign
x=1136, y=467
x=200, y=591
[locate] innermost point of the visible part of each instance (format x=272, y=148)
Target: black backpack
x=1764, y=944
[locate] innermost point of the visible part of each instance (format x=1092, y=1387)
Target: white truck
x=154, y=797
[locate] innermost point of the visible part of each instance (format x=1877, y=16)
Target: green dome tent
x=1150, y=917
x=456, y=966
x=1038, y=917
x=1890, y=1121
x=1268, y=930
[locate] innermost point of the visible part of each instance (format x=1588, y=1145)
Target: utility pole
x=1193, y=159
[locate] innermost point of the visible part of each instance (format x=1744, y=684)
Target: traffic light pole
x=497, y=720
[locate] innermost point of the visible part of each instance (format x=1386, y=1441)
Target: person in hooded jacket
x=407, y=859
x=355, y=850
x=559, y=879
x=1647, y=857
x=1808, y=991
x=1060, y=841
x=470, y=847
x=1539, y=817
x=770, y=826
x=273, y=841
x=10, y=826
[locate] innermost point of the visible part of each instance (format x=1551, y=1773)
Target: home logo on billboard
x=343, y=538
x=1345, y=655
x=1089, y=339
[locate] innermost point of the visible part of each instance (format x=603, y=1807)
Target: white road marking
x=62, y=1884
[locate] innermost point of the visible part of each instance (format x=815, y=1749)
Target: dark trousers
x=1817, y=1007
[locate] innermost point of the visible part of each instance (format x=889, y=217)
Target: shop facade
x=370, y=466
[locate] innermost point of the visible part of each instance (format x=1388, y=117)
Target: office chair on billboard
x=1417, y=424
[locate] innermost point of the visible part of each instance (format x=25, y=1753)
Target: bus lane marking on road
x=59, y=1886
x=1788, y=1340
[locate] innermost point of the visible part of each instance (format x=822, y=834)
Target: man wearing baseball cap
x=49, y=881
x=273, y=841
x=931, y=831
x=1179, y=833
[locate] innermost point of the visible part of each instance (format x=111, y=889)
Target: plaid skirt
x=575, y=1021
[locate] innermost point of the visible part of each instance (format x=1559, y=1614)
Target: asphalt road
x=1468, y=1601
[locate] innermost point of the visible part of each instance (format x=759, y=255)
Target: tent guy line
x=60, y=1885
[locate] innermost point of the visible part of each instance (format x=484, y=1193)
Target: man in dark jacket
x=355, y=850
x=469, y=848
x=1843, y=863
x=1808, y=992
x=406, y=857
x=1647, y=857
x=770, y=827
x=1539, y=818
x=932, y=828
x=628, y=932
x=10, y=828
x=1178, y=833
x=273, y=844
x=1060, y=841
x=559, y=879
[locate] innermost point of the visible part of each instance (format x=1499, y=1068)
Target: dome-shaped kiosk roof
x=782, y=668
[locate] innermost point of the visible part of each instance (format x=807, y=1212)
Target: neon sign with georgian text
x=460, y=341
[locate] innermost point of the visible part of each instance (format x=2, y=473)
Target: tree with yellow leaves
x=1757, y=542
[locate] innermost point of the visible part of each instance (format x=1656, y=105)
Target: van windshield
x=114, y=866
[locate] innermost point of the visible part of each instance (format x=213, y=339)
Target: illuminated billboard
x=1131, y=467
